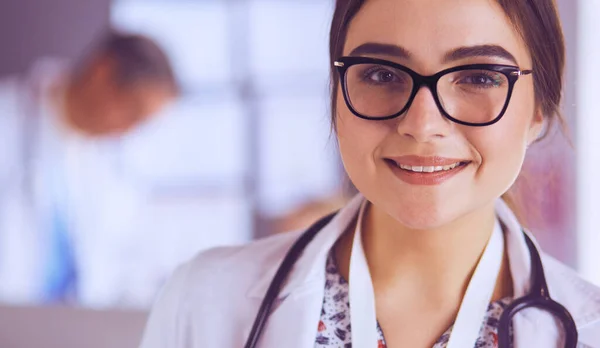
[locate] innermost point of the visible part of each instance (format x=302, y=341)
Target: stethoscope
x=538, y=297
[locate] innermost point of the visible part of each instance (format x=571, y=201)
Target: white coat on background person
x=59, y=170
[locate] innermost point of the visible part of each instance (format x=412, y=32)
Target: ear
x=538, y=122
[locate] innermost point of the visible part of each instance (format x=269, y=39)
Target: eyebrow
x=381, y=49
x=492, y=51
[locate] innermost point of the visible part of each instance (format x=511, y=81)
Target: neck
x=436, y=264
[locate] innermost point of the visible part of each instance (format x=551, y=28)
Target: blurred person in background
x=66, y=212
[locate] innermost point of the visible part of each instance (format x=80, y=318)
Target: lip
x=425, y=178
x=425, y=161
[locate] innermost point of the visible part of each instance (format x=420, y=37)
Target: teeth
x=428, y=169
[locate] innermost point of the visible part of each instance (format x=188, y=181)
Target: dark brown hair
x=136, y=59
x=537, y=22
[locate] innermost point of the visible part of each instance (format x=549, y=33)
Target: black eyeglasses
x=471, y=95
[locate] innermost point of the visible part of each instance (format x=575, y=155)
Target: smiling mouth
x=427, y=169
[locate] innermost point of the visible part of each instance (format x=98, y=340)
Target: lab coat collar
x=306, y=282
x=308, y=267
x=516, y=247
x=297, y=311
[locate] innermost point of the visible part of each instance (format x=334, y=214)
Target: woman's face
x=429, y=32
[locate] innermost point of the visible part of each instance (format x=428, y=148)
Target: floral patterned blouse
x=334, y=326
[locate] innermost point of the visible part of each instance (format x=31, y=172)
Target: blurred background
x=231, y=142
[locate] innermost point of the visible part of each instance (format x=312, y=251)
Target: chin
x=421, y=215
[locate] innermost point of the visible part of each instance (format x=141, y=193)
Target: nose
x=423, y=121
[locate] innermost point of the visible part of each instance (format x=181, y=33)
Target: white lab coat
x=104, y=206
x=212, y=300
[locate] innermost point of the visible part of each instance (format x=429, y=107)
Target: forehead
x=429, y=29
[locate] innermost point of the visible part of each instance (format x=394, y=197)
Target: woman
x=433, y=120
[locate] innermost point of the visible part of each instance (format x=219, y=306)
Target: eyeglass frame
x=511, y=72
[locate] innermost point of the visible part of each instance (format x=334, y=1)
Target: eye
x=381, y=75
x=481, y=79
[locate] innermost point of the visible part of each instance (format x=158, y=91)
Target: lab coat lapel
x=294, y=321
x=529, y=324
x=536, y=329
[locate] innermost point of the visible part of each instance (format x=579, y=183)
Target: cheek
x=502, y=147
x=359, y=143
x=501, y=155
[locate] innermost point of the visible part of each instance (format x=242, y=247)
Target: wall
x=588, y=141
x=30, y=28
x=550, y=173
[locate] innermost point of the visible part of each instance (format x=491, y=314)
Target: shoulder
x=240, y=265
x=566, y=281
x=199, y=285
x=239, y=262
x=579, y=296
x=12, y=103
x=12, y=90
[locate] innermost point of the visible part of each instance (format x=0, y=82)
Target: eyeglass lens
x=474, y=95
